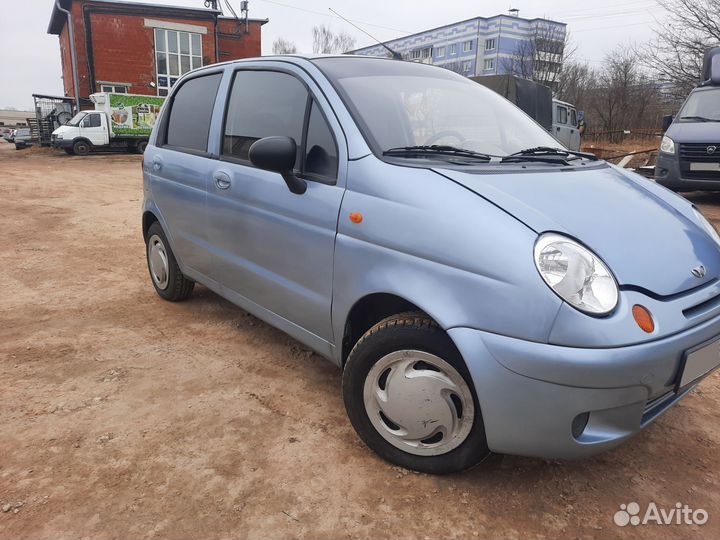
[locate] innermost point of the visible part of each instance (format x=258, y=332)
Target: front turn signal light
x=643, y=318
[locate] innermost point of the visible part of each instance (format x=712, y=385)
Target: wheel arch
x=82, y=139
x=369, y=310
x=148, y=218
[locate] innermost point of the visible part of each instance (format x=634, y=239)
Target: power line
x=306, y=10
x=614, y=26
x=605, y=7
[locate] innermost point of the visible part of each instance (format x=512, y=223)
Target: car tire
x=69, y=151
x=141, y=146
x=393, y=425
x=81, y=148
x=167, y=278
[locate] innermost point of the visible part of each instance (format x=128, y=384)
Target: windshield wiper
x=550, y=151
x=700, y=118
x=435, y=149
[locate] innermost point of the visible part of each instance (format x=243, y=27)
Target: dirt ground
x=122, y=415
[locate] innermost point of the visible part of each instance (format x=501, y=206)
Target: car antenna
x=396, y=55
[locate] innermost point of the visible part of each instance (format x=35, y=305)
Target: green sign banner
x=134, y=115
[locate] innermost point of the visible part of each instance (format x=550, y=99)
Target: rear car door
x=180, y=168
x=274, y=248
x=560, y=127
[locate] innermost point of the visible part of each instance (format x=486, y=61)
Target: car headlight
x=667, y=145
x=576, y=274
x=707, y=225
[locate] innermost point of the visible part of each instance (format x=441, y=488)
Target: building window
x=467, y=46
x=176, y=53
x=466, y=66
x=489, y=64
x=453, y=49
x=421, y=54
x=441, y=52
x=114, y=88
x=490, y=44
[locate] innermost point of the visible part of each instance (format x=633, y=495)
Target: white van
x=565, y=124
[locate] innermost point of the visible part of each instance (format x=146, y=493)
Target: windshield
x=702, y=105
x=401, y=104
x=76, y=119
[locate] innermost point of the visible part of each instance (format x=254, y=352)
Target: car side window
x=191, y=110
x=561, y=114
x=264, y=104
x=573, y=118
x=91, y=120
x=321, y=156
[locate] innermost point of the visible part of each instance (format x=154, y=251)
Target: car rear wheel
x=410, y=397
x=167, y=278
x=141, y=146
x=81, y=148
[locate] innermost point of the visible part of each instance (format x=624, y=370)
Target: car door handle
x=222, y=180
x=157, y=164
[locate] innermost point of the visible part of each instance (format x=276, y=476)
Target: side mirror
x=666, y=121
x=278, y=154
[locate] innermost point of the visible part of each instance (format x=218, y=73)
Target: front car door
x=273, y=250
x=574, y=138
x=94, y=128
x=179, y=167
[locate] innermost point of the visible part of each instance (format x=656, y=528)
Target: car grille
x=698, y=153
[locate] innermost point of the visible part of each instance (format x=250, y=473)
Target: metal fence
x=51, y=112
x=621, y=136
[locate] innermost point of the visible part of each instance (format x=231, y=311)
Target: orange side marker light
x=643, y=318
x=356, y=217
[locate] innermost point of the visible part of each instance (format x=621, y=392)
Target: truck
x=558, y=117
x=689, y=156
x=119, y=121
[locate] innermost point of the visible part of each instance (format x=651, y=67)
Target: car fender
x=432, y=242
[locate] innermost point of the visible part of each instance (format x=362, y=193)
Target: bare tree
x=540, y=58
x=283, y=46
x=575, y=82
x=623, y=93
x=328, y=42
x=676, y=53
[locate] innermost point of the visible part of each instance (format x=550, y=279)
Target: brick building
x=144, y=48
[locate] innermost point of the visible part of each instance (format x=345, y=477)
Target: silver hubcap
x=158, y=261
x=419, y=403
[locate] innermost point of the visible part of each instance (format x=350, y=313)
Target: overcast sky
x=30, y=58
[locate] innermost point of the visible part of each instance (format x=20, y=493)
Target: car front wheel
x=410, y=397
x=81, y=148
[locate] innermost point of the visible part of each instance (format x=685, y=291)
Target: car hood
x=62, y=129
x=694, y=132
x=648, y=239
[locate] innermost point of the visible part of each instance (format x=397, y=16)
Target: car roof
x=298, y=58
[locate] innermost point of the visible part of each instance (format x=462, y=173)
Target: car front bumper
x=551, y=401
x=669, y=173
x=60, y=143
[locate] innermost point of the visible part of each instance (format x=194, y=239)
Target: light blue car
x=481, y=289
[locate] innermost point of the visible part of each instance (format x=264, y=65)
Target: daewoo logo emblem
x=698, y=271
x=711, y=149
